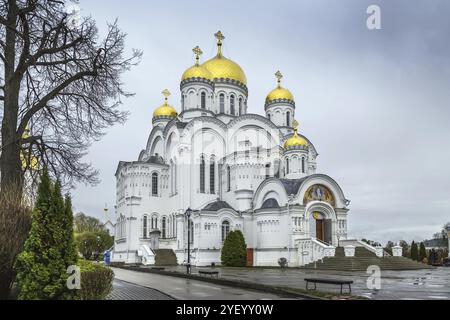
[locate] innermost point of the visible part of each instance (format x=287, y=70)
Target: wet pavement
x=426, y=284
x=183, y=289
x=128, y=291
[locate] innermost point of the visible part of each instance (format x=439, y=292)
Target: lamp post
x=188, y=216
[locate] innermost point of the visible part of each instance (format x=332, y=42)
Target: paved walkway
x=128, y=291
x=181, y=289
x=431, y=284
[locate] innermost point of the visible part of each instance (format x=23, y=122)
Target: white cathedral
x=235, y=171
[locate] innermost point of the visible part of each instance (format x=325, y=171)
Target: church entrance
x=320, y=228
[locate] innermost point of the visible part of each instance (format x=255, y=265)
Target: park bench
x=209, y=272
x=329, y=281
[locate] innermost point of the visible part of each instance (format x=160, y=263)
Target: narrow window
x=241, y=110
x=287, y=165
x=203, y=100
x=288, y=119
x=202, y=174
x=154, y=184
x=222, y=103
x=267, y=170
x=232, y=105
x=163, y=228
x=212, y=175
x=268, y=116
x=303, y=165
x=228, y=178
x=144, y=227
x=225, y=230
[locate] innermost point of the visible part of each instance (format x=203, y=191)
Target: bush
x=15, y=223
x=89, y=243
x=96, y=281
x=234, y=250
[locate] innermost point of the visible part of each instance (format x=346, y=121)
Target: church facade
x=234, y=170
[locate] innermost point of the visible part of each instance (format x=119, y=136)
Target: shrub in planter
x=96, y=281
x=234, y=250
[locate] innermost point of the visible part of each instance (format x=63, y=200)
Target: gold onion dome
x=165, y=110
x=197, y=71
x=295, y=141
x=279, y=93
x=223, y=68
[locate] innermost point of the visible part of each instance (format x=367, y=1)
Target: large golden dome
x=221, y=67
x=295, y=141
x=197, y=71
x=165, y=110
x=279, y=93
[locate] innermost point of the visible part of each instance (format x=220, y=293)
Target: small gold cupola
x=279, y=93
x=296, y=141
x=165, y=111
x=197, y=71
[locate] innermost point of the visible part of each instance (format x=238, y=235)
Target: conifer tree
x=414, y=251
x=234, y=250
x=42, y=266
x=422, y=252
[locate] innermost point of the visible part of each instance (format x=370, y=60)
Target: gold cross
x=166, y=94
x=219, y=36
x=279, y=76
x=295, y=124
x=198, y=52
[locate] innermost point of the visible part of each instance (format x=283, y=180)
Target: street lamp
x=188, y=216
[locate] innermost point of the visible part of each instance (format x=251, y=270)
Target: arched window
x=164, y=228
x=268, y=116
x=222, y=103
x=303, y=165
x=287, y=165
x=225, y=229
x=228, y=178
x=232, y=105
x=154, y=184
x=202, y=174
x=144, y=227
x=203, y=100
x=288, y=119
x=267, y=170
x=154, y=222
x=241, y=110
x=212, y=176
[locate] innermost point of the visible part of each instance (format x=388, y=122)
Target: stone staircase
x=362, y=260
x=165, y=257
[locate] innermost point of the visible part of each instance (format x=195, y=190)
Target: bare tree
x=62, y=82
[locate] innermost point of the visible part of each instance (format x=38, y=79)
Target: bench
x=209, y=272
x=157, y=268
x=329, y=281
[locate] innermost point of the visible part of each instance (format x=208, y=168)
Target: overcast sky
x=376, y=104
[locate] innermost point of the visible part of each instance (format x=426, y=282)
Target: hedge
x=96, y=281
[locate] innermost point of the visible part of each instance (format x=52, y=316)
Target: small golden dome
x=165, y=110
x=197, y=71
x=279, y=93
x=221, y=67
x=295, y=141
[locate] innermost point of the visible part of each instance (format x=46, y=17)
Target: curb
x=227, y=282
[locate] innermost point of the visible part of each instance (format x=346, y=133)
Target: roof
x=217, y=205
x=155, y=160
x=292, y=185
x=270, y=203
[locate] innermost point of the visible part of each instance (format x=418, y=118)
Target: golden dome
x=165, y=110
x=295, y=141
x=221, y=67
x=197, y=71
x=279, y=93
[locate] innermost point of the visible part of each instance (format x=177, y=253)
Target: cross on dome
x=220, y=37
x=166, y=93
x=198, y=52
x=279, y=76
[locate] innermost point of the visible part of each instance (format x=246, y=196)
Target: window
x=268, y=116
x=163, y=228
x=228, y=178
x=303, y=165
x=241, y=110
x=287, y=165
x=232, y=105
x=154, y=184
x=288, y=119
x=222, y=103
x=225, y=230
x=202, y=174
x=267, y=170
x=154, y=222
x=212, y=175
x=203, y=100
x=144, y=227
